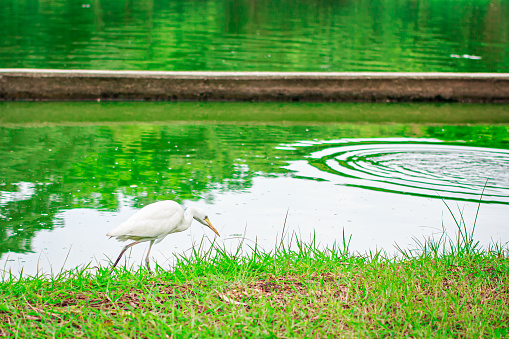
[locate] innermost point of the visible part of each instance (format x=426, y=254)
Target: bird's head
x=202, y=218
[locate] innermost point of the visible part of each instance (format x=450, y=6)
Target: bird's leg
x=148, y=253
x=123, y=251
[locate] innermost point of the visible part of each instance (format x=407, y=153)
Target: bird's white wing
x=152, y=221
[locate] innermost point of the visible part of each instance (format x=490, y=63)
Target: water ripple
x=410, y=166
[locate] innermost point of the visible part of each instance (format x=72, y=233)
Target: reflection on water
x=63, y=187
x=411, y=166
x=256, y=35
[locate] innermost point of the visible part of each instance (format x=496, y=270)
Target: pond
x=72, y=171
x=256, y=35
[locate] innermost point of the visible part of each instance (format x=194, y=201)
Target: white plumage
x=154, y=222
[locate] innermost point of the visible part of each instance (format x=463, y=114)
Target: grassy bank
x=302, y=292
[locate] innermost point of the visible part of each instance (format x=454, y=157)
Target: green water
x=29, y=113
x=52, y=163
x=71, y=171
x=254, y=35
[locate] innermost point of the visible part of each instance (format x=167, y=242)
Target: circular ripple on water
x=423, y=169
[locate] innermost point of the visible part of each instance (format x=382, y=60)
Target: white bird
x=154, y=222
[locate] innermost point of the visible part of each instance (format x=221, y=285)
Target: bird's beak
x=209, y=224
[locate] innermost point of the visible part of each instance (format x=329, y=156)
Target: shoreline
x=92, y=85
x=302, y=293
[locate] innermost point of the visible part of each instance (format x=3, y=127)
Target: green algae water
x=69, y=172
x=254, y=35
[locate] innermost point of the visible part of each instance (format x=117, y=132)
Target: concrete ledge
x=57, y=85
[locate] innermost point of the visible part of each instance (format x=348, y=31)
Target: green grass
x=435, y=291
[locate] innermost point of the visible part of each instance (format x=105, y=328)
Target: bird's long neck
x=188, y=219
